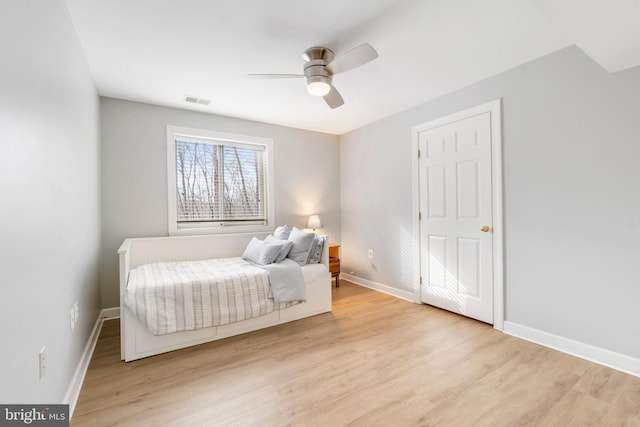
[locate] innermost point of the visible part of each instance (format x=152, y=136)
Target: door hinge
x=421, y=280
x=419, y=216
x=418, y=153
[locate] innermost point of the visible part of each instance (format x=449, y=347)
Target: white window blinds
x=219, y=182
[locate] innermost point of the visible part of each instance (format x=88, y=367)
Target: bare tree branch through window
x=218, y=182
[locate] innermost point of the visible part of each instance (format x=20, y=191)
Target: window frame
x=174, y=132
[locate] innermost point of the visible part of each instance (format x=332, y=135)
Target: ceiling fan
x=321, y=64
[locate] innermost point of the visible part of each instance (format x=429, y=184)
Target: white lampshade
x=314, y=222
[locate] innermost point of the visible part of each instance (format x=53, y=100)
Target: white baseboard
x=620, y=362
x=398, y=293
x=73, y=392
x=110, y=313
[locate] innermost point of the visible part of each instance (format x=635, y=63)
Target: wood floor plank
x=373, y=361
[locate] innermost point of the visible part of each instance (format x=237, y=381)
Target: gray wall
x=134, y=175
x=50, y=199
x=571, y=161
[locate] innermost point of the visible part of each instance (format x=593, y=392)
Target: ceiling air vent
x=197, y=100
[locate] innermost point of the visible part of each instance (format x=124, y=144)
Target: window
x=218, y=180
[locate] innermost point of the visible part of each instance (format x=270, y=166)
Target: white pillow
x=302, y=241
x=285, y=246
x=282, y=232
x=260, y=252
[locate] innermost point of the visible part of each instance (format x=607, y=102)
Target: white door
x=456, y=264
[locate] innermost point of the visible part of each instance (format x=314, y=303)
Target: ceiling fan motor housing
x=315, y=67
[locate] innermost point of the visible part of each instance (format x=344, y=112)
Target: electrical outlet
x=370, y=254
x=72, y=318
x=76, y=308
x=42, y=361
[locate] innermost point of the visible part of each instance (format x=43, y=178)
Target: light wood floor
x=374, y=361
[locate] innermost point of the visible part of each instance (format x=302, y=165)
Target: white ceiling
x=159, y=51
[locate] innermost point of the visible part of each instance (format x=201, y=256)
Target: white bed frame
x=136, y=340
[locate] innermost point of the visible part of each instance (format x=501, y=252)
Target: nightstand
x=334, y=262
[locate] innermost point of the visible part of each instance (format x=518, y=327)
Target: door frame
x=495, y=109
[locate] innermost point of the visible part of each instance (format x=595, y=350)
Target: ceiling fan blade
x=275, y=76
x=333, y=98
x=352, y=58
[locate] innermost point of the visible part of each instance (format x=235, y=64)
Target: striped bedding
x=180, y=296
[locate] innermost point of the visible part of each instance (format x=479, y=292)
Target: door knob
x=485, y=228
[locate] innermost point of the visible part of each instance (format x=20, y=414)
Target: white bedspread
x=179, y=296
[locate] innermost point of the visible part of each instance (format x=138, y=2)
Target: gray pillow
x=285, y=246
x=315, y=253
x=282, y=232
x=260, y=252
x=302, y=241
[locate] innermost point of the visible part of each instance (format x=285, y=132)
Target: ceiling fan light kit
x=321, y=65
x=318, y=85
